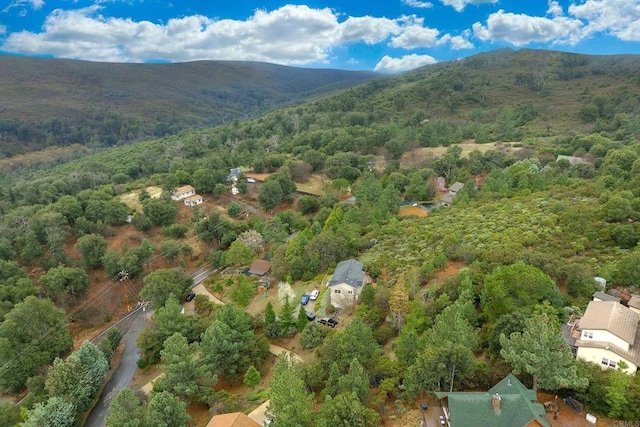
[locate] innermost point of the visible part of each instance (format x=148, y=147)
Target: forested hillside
x=457, y=293
x=57, y=102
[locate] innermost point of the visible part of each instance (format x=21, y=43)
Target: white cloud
x=408, y=62
x=3, y=29
x=458, y=42
x=292, y=35
x=414, y=35
x=521, y=29
x=418, y=4
x=35, y=4
x=459, y=5
x=368, y=29
x=620, y=18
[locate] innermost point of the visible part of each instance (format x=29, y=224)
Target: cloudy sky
x=382, y=35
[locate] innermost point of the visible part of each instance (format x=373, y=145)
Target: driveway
x=123, y=373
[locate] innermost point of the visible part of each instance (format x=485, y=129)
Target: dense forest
x=457, y=292
x=59, y=102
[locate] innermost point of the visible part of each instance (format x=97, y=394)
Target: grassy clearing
x=315, y=186
x=132, y=199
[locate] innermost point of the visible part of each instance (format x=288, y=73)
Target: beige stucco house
x=607, y=334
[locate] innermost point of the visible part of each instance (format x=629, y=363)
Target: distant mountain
x=60, y=101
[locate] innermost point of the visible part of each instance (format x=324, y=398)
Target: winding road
x=124, y=372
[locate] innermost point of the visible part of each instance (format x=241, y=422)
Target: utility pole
x=124, y=282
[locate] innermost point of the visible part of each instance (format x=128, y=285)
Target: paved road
x=123, y=374
x=126, y=369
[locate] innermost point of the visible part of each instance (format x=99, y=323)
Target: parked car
x=305, y=299
x=328, y=322
x=310, y=316
x=190, y=297
x=314, y=294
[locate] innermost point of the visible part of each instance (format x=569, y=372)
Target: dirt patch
x=412, y=211
x=131, y=199
x=567, y=416
x=418, y=156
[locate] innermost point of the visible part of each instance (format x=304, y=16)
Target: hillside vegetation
x=456, y=291
x=60, y=101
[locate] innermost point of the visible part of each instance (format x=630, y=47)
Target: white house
x=346, y=283
x=609, y=333
x=183, y=192
x=194, y=200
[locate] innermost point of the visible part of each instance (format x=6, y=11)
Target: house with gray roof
x=346, y=283
x=507, y=404
x=607, y=334
x=602, y=296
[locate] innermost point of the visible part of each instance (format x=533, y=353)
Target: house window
x=610, y=363
x=349, y=292
x=336, y=291
x=586, y=334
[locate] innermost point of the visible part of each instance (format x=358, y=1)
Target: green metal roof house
x=507, y=404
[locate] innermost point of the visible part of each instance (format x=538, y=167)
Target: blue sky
x=382, y=35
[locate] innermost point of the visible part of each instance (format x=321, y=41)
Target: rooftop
x=605, y=296
x=184, y=189
x=234, y=419
x=260, y=267
x=349, y=272
x=613, y=317
x=634, y=301
x=518, y=406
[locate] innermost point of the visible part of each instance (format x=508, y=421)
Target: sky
x=388, y=36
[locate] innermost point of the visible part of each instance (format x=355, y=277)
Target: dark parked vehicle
x=310, y=315
x=190, y=297
x=305, y=299
x=328, y=321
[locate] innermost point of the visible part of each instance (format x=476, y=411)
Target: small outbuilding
x=260, y=267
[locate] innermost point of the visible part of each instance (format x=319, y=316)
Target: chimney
x=495, y=401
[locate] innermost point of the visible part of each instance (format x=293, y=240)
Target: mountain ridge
x=122, y=102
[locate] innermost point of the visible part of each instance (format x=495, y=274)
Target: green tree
x=9, y=414
x=32, y=335
x=239, y=254
x=346, y=410
x=56, y=412
x=161, y=283
x=271, y=326
x=229, y=344
x=271, y=194
x=286, y=321
x=92, y=248
x=517, y=286
x=289, y=403
x=234, y=209
x=252, y=377
x=160, y=211
x=126, y=410
x=302, y=320
x=356, y=381
x=78, y=378
x=185, y=375
x=540, y=351
x=166, y=410
x=59, y=280
x=616, y=395
x=308, y=204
